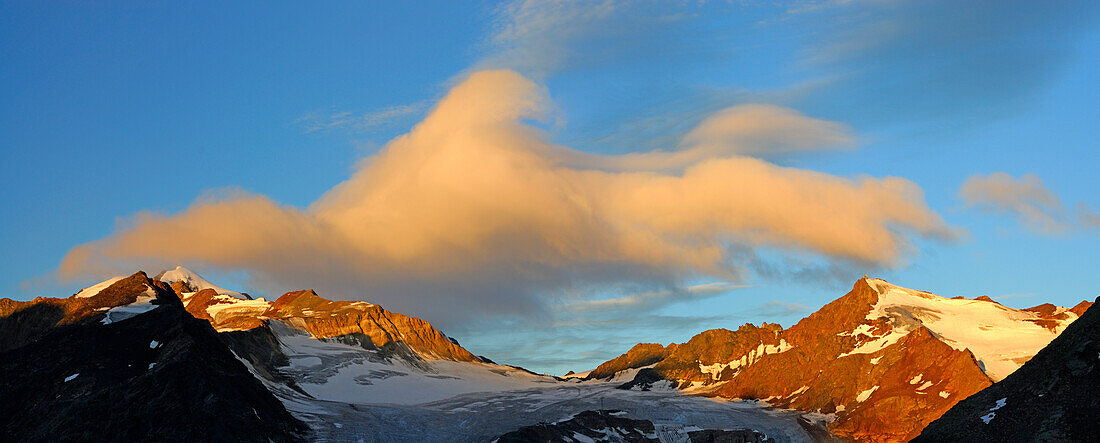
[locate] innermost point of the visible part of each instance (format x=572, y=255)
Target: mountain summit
x=189, y=281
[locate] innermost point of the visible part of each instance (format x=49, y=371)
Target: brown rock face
x=1051, y=316
x=323, y=318
x=902, y=404
x=885, y=378
x=1080, y=308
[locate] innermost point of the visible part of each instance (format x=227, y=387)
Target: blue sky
x=112, y=110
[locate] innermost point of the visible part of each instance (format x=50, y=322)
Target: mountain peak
x=194, y=282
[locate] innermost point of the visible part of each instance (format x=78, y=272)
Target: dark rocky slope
x=161, y=375
x=1053, y=397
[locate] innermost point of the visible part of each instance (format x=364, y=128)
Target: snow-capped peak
x=196, y=282
x=1000, y=337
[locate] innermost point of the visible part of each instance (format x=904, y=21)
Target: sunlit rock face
x=325, y=319
x=885, y=360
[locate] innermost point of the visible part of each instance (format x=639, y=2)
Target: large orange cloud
x=474, y=210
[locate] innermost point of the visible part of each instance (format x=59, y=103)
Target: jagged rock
x=728, y=436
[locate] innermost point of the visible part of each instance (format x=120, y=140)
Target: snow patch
x=229, y=307
x=153, y=344
x=1000, y=404
x=754, y=355
x=878, y=344
x=143, y=304
x=945, y=394
x=863, y=396
x=924, y=386
x=71, y=377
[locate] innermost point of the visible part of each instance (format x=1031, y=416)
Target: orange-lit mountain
x=320, y=318
x=885, y=360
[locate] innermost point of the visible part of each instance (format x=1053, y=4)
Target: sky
x=553, y=182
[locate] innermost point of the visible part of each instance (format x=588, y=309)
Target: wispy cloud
x=782, y=309
x=1026, y=199
x=539, y=38
x=1087, y=217
x=939, y=59
x=651, y=300
x=359, y=122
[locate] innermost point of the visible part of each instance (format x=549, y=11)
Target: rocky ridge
x=358, y=322
x=884, y=360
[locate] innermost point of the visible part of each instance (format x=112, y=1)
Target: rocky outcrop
x=326, y=319
x=727, y=436
x=1055, y=396
x=641, y=355
x=868, y=357
x=613, y=425
x=159, y=375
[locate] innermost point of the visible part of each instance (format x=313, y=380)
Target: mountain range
x=175, y=356
x=885, y=360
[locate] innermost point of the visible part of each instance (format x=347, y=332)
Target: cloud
x=347, y=120
x=748, y=130
x=782, y=309
x=539, y=38
x=473, y=212
x=1025, y=199
x=904, y=61
x=1087, y=217
x=652, y=300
